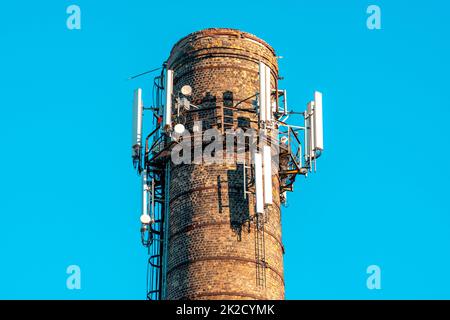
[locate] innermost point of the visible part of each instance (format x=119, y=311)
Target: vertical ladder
x=154, y=267
x=259, y=221
x=227, y=111
x=260, y=251
x=165, y=230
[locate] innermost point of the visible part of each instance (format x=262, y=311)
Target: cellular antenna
x=318, y=122
x=169, y=99
x=268, y=93
x=259, y=193
x=145, y=217
x=136, y=135
x=267, y=161
x=262, y=92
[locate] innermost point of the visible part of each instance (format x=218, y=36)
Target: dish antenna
x=145, y=219
x=179, y=128
x=186, y=90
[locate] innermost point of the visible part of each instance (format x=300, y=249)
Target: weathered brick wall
x=211, y=251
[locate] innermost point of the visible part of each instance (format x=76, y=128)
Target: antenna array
x=300, y=146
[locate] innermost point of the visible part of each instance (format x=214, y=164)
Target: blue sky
x=69, y=195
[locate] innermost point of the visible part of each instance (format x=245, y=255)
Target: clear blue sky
x=69, y=195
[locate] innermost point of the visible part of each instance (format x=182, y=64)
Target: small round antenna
x=179, y=128
x=186, y=90
x=145, y=219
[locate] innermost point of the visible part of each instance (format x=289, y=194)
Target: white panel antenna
x=267, y=162
x=136, y=139
x=268, y=92
x=259, y=194
x=262, y=91
x=318, y=121
x=169, y=94
x=145, y=216
x=309, y=121
x=285, y=102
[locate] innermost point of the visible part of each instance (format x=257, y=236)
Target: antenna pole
x=144, y=73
